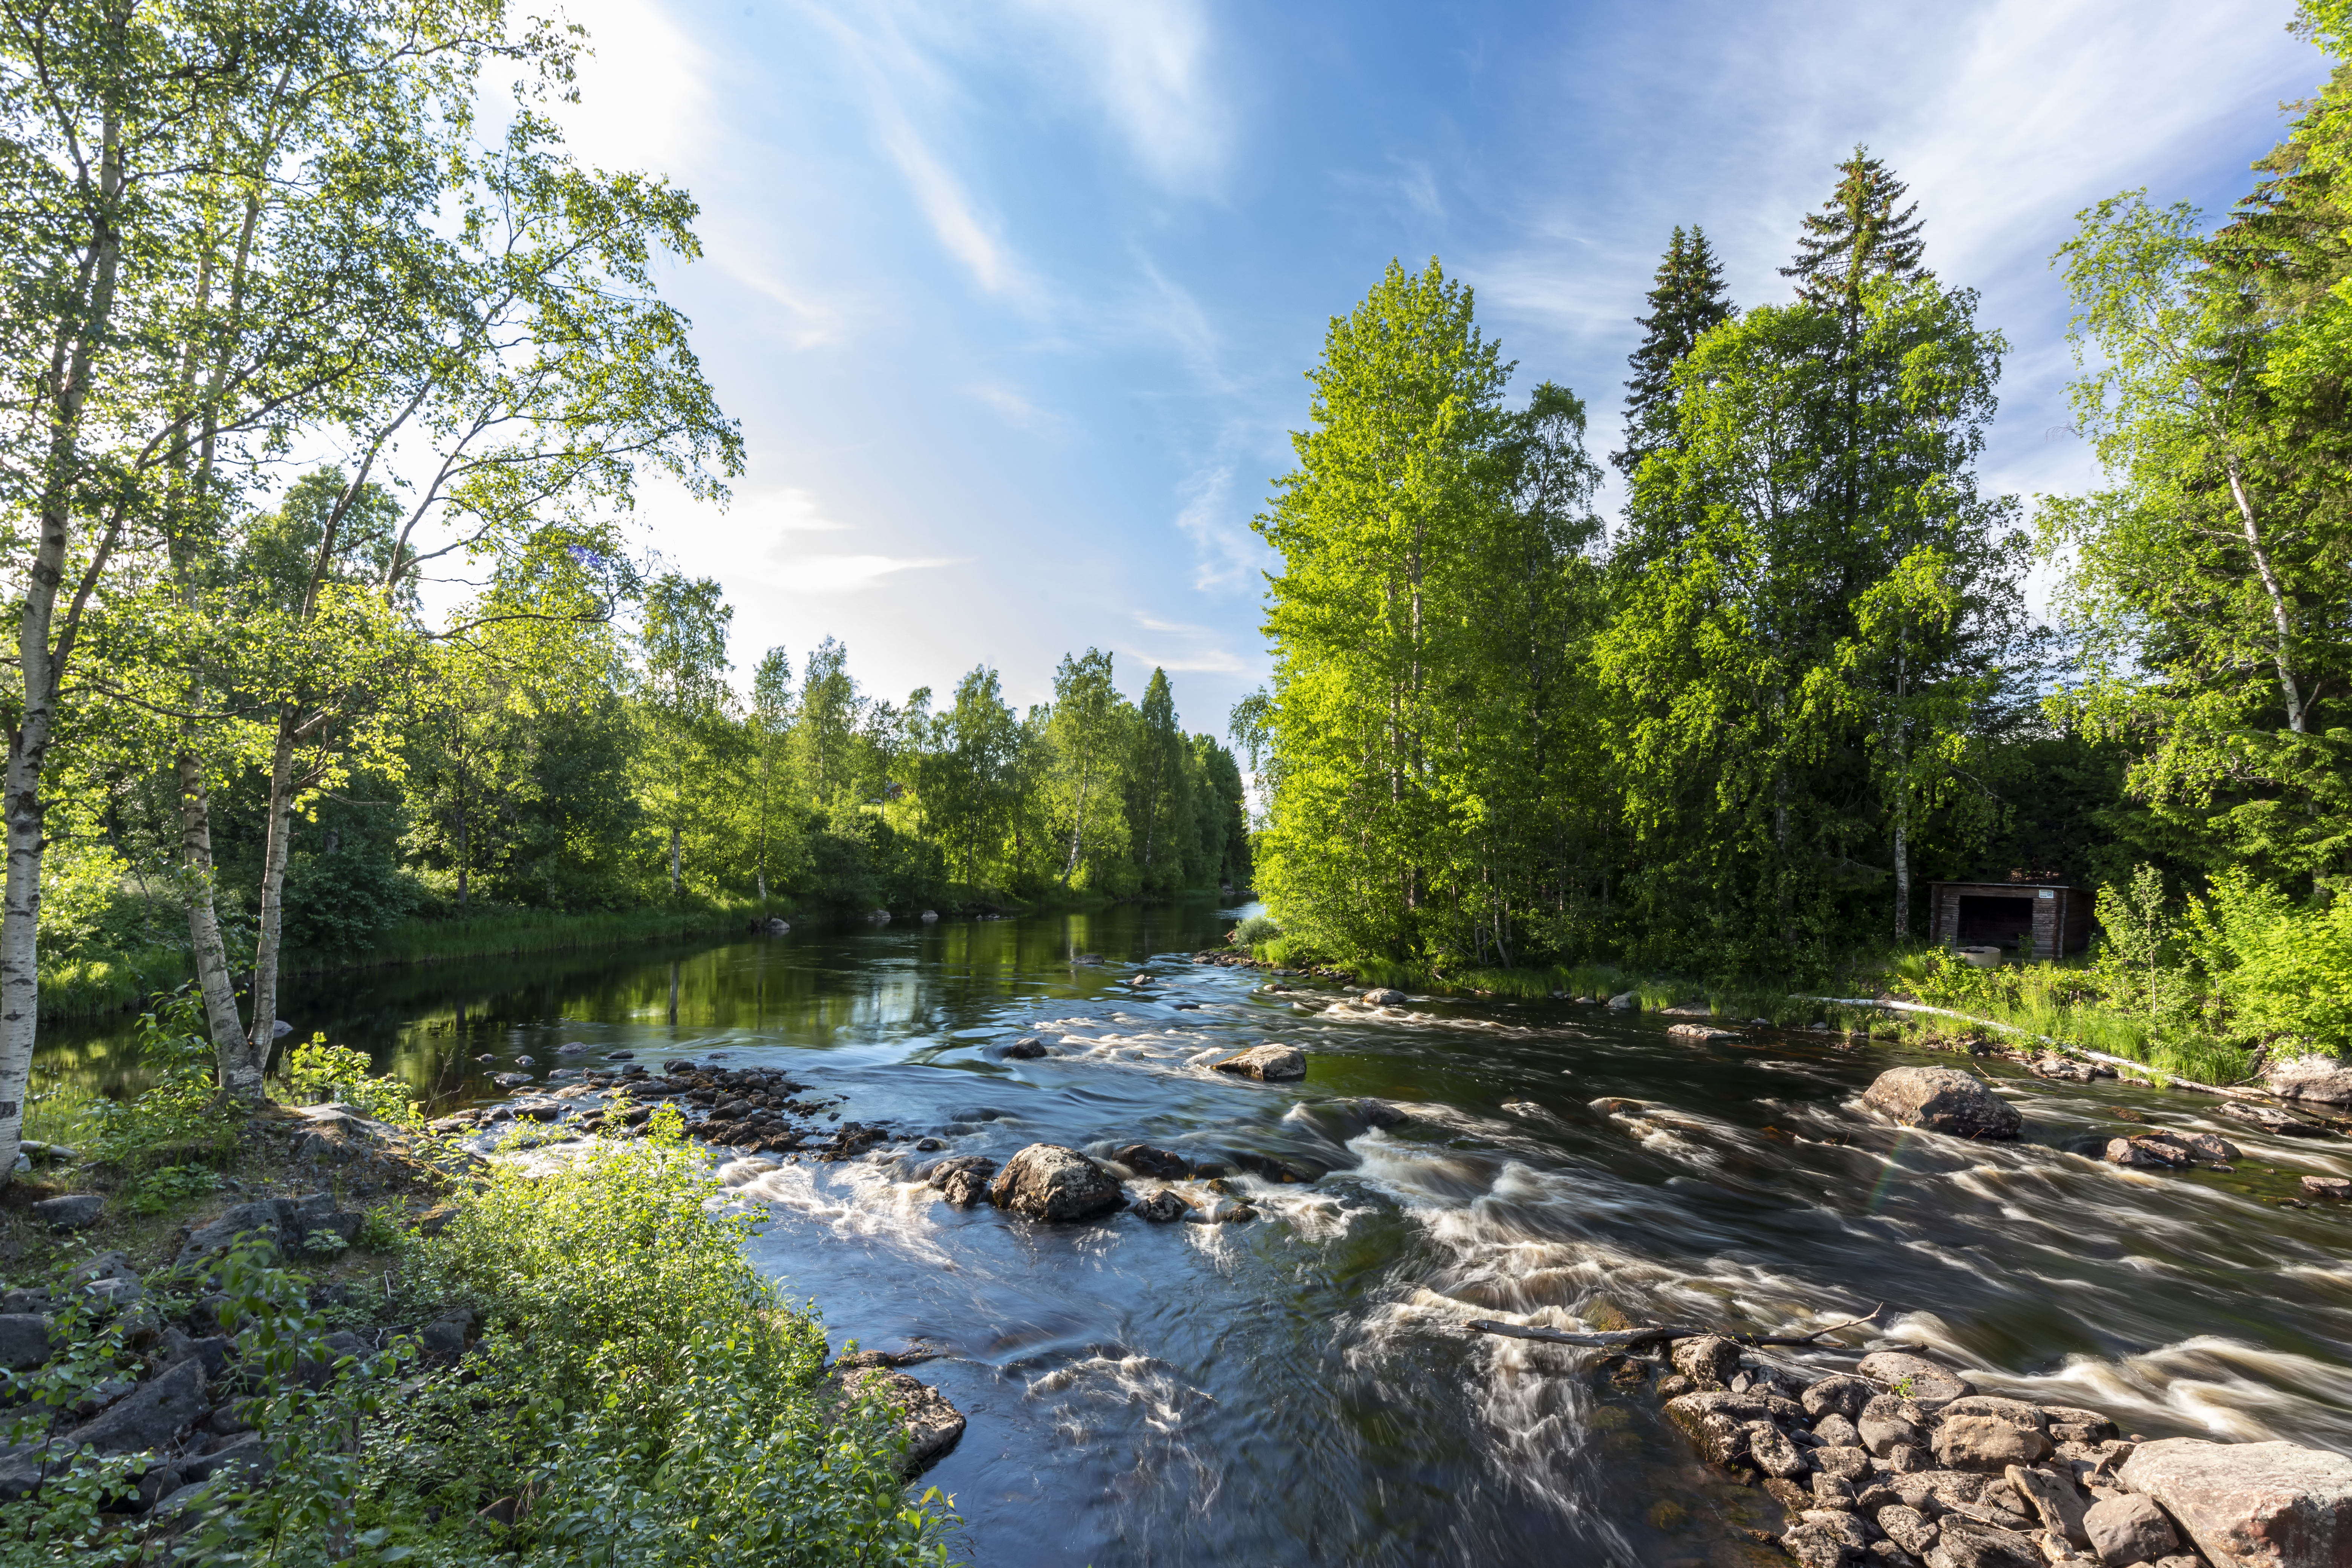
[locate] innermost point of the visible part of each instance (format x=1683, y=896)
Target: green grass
x=89, y=987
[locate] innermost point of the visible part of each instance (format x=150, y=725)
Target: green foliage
x=663, y=1404
x=2279, y=970
x=317, y=1070
x=180, y=1119
x=1257, y=929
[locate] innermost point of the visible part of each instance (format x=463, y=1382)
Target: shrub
x=1255, y=930
x=179, y=1119
x=659, y=1402
x=322, y=1071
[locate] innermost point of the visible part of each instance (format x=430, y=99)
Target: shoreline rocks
x=1943, y=1100
x=1901, y=1463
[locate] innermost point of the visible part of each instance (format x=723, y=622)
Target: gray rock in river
x=2275, y=1505
x=1146, y=1160
x=1267, y=1063
x=1705, y=1358
x=1048, y=1181
x=932, y=1424
x=1943, y=1100
x=1162, y=1207
x=1964, y=1542
x=1625, y=1002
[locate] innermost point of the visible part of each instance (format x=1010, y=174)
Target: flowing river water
x=1299, y=1390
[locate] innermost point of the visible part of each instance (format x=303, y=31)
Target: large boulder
x=1267, y=1063
x=932, y=1424
x=1048, y=1181
x=24, y=1340
x=71, y=1212
x=2251, y=1505
x=1943, y=1100
x=1915, y=1378
x=2326, y=1079
x=1705, y=1358
x=149, y=1415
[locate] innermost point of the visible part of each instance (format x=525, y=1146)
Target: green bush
x=658, y=1401
x=179, y=1119
x=1255, y=930
x=317, y=1070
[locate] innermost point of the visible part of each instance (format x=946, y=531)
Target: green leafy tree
x=686, y=702
x=1792, y=679
x=1086, y=731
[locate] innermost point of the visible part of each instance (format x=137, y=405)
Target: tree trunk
x=263, y=1035
x=465, y=852
x=674, y=838
x=39, y=662
x=2281, y=622
x=232, y=1060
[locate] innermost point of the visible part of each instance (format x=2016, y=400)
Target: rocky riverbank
x=1901, y=1461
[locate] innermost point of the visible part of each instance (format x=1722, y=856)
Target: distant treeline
x=1736, y=728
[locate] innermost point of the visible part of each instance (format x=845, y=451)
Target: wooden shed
x=1995, y=914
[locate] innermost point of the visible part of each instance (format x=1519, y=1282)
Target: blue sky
x=1012, y=300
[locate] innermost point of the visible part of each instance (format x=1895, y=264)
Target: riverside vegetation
x=1724, y=738
x=570, y=1365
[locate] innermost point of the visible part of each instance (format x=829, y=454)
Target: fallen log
x=1640, y=1339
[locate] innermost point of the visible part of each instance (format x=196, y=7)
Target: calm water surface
x=1299, y=1390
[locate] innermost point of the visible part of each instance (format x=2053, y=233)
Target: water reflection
x=1300, y=1390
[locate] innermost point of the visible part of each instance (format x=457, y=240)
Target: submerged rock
x=1162, y=1207
x=1146, y=1160
x=1048, y=1181
x=1943, y=1100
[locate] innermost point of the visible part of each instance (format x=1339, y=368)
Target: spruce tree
x=1857, y=235
x=1688, y=298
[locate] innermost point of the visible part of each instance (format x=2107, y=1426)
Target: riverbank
x=359, y=1343
x=2054, y=1004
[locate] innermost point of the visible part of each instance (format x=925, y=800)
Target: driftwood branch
x=1642, y=1339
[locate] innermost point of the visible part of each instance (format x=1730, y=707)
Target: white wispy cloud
x=849, y=573
x=1146, y=64
x=1017, y=410
x=792, y=510
x=1227, y=555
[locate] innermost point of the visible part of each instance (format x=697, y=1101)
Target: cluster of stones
x=1901, y=1462
x=757, y=1110
x=182, y=1389
x=1058, y=1184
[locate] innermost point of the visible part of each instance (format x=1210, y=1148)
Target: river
x=1298, y=1390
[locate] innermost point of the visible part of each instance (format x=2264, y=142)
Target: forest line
x=1733, y=732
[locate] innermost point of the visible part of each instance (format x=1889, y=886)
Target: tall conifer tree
x=1859, y=235
x=1686, y=299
